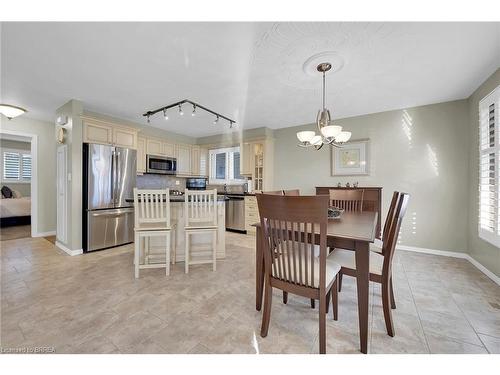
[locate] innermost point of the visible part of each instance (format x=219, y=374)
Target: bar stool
x=152, y=218
x=200, y=208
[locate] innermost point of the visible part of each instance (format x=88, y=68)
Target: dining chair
x=291, y=225
x=347, y=199
x=380, y=264
x=379, y=249
x=291, y=192
x=151, y=219
x=200, y=213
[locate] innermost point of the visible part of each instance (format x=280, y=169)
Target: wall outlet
x=177, y=182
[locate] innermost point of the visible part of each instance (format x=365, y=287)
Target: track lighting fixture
x=196, y=106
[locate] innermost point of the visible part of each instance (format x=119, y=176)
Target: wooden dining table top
x=359, y=226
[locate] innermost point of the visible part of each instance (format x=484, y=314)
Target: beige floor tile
x=444, y=345
x=491, y=343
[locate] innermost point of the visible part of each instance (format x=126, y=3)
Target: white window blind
x=225, y=166
x=16, y=166
x=489, y=168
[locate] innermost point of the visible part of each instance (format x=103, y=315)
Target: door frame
x=34, y=179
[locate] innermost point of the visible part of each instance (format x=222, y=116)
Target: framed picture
x=351, y=159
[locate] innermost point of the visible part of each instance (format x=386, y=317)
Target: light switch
x=177, y=182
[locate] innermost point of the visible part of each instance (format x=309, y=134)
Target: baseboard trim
x=68, y=251
x=452, y=254
x=44, y=234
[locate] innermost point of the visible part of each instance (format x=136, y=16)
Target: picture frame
x=351, y=159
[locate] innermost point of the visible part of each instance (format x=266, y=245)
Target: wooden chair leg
x=186, y=253
x=266, y=316
x=214, y=254
x=393, y=301
x=340, y=280
x=322, y=324
x=285, y=297
x=328, y=302
x=174, y=244
x=167, y=255
x=335, y=299
x=313, y=303
x=387, y=307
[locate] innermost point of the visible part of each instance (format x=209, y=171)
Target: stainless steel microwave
x=161, y=164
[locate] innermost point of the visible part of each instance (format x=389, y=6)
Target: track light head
x=194, y=111
x=181, y=112
x=165, y=114
x=216, y=120
x=149, y=121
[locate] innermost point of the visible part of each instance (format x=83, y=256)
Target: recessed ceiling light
x=11, y=111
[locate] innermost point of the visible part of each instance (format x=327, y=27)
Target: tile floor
x=93, y=304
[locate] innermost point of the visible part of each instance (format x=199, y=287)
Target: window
x=489, y=168
x=225, y=166
x=16, y=166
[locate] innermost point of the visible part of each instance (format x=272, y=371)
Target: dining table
x=352, y=231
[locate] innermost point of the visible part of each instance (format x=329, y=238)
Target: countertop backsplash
x=158, y=181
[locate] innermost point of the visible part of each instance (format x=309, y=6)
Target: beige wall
x=482, y=251
x=421, y=150
x=46, y=173
x=23, y=188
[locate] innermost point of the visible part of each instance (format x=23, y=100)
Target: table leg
x=259, y=269
x=363, y=285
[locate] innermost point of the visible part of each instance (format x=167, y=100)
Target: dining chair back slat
x=347, y=199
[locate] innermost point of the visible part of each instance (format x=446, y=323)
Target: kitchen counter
x=238, y=194
x=180, y=198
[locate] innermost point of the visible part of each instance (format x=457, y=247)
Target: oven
x=160, y=164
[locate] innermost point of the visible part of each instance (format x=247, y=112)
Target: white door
x=62, y=173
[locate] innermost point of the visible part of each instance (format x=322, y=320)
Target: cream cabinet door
x=141, y=155
x=97, y=133
x=184, y=160
x=154, y=147
x=168, y=149
x=195, y=160
x=204, y=162
x=246, y=158
x=125, y=138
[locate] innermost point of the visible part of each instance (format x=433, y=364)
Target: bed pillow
x=16, y=194
x=6, y=192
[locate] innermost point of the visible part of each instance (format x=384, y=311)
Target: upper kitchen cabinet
x=102, y=132
x=168, y=149
x=195, y=160
x=183, y=160
x=154, y=147
x=256, y=162
x=141, y=155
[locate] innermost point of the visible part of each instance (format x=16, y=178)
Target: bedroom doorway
x=18, y=184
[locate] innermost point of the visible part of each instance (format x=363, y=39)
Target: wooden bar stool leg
x=214, y=252
x=167, y=254
x=174, y=244
x=137, y=250
x=186, y=253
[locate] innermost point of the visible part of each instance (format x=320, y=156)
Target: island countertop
x=180, y=198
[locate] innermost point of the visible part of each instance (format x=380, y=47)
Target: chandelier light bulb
x=305, y=136
x=331, y=131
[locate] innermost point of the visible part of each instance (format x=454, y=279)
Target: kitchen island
x=200, y=242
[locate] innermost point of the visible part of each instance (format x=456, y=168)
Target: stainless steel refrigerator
x=109, y=176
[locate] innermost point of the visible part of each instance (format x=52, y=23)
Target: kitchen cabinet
x=251, y=213
x=154, y=147
x=141, y=155
x=183, y=160
x=246, y=159
x=97, y=133
x=256, y=162
x=195, y=160
x=204, y=162
x=106, y=133
x=168, y=149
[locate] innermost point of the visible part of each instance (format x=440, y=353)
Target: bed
x=15, y=211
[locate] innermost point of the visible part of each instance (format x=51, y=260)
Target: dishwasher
x=235, y=213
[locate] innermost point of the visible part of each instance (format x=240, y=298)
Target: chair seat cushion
x=346, y=258
x=332, y=269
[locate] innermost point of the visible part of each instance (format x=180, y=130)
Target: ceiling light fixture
x=196, y=107
x=11, y=111
x=328, y=134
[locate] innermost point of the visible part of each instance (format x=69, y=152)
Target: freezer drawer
x=107, y=228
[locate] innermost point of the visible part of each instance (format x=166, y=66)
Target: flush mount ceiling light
x=196, y=106
x=328, y=134
x=11, y=111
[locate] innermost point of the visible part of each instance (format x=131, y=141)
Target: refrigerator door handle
x=112, y=190
x=114, y=213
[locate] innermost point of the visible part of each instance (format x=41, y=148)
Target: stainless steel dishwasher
x=235, y=213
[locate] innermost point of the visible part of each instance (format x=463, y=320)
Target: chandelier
x=328, y=134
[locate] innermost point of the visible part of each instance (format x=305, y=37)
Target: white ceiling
x=252, y=72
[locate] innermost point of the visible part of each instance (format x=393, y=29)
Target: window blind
x=11, y=165
x=489, y=168
x=26, y=167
